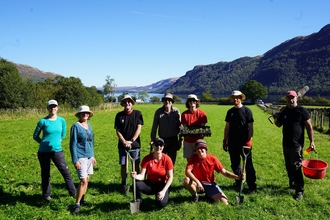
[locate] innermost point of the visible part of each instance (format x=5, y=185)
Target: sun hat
x=237, y=93
x=159, y=140
x=192, y=96
x=52, y=102
x=200, y=143
x=291, y=93
x=84, y=108
x=168, y=96
x=126, y=97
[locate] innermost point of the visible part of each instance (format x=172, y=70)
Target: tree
x=207, y=96
x=11, y=85
x=154, y=99
x=177, y=99
x=254, y=90
x=94, y=98
x=72, y=92
x=109, y=89
x=143, y=95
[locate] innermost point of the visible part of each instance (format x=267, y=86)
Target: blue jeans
x=59, y=161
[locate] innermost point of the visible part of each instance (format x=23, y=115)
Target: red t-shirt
x=204, y=168
x=197, y=118
x=157, y=170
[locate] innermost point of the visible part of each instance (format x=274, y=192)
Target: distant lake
x=269, y=99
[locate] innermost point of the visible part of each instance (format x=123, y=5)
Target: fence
x=29, y=112
x=320, y=116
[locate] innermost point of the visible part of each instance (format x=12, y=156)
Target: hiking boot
x=75, y=209
x=298, y=196
x=195, y=197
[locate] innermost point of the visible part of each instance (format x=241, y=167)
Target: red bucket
x=314, y=169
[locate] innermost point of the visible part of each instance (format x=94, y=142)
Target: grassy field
x=20, y=192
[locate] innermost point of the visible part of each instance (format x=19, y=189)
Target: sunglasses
x=167, y=100
x=158, y=144
x=192, y=100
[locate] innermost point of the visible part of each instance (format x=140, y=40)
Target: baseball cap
x=159, y=140
x=291, y=93
x=52, y=102
x=192, y=96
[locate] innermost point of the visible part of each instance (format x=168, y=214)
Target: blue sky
x=140, y=42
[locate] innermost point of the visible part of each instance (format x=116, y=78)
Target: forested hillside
x=290, y=65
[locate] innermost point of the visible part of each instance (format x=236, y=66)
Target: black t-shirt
x=239, y=118
x=127, y=125
x=293, y=121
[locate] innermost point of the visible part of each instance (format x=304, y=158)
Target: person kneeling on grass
x=159, y=170
x=200, y=174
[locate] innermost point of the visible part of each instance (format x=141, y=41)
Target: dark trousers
x=293, y=159
x=150, y=188
x=60, y=163
x=171, y=147
x=235, y=154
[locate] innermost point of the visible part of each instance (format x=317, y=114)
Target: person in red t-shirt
x=200, y=174
x=193, y=116
x=159, y=169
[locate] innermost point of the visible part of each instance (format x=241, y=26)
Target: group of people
x=157, y=168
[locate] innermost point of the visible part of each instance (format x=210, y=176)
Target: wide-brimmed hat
x=200, y=143
x=192, y=96
x=126, y=97
x=52, y=102
x=168, y=96
x=84, y=108
x=237, y=93
x=291, y=93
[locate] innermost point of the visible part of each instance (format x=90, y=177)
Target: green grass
x=20, y=190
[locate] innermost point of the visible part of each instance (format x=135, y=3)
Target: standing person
x=159, y=170
x=200, y=174
x=167, y=120
x=82, y=152
x=128, y=125
x=53, y=128
x=238, y=132
x=294, y=119
x=192, y=117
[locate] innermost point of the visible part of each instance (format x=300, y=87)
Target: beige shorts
x=188, y=149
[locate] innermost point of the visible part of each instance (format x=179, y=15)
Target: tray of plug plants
x=195, y=131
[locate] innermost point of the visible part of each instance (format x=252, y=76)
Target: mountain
x=153, y=88
x=303, y=60
x=300, y=61
x=34, y=73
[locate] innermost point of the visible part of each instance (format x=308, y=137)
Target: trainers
x=195, y=197
x=47, y=198
x=298, y=196
x=75, y=209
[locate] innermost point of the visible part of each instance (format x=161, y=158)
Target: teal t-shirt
x=53, y=132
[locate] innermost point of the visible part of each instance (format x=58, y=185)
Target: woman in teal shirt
x=53, y=130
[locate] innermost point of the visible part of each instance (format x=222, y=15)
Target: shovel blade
x=135, y=206
x=239, y=199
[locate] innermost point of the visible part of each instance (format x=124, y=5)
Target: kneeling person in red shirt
x=159, y=169
x=200, y=174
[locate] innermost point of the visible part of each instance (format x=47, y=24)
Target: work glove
x=249, y=143
x=225, y=145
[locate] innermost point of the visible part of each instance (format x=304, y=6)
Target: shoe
x=298, y=196
x=252, y=191
x=125, y=189
x=291, y=187
x=75, y=209
x=47, y=198
x=195, y=197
